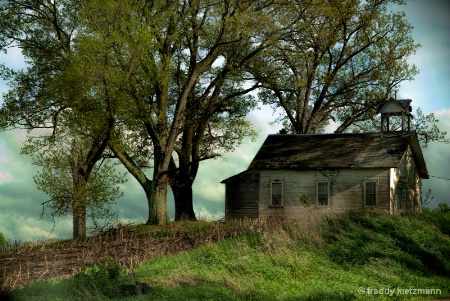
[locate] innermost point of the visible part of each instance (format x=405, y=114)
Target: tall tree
x=59, y=178
x=217, y=107
x=215, y=123
x=55, y=89
x=164, y=50
x=338, y=61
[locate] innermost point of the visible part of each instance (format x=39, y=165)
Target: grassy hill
x=351, y=256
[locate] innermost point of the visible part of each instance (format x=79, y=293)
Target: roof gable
x=396, y=106
x=330, y=151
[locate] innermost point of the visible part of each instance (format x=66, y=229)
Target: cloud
x=5, y=177
x=20, y=201
x=262, y=117
x=14, y=60
x=430, y=88
x=208, y=213
x=438, y=161
x=133, y=204
x=445, y=115
x=24, y=228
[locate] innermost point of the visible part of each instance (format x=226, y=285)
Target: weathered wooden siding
x=346, y=190
x=241, y=196
x=405, y=184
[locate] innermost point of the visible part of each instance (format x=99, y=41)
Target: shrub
x=443, y=208
x=103, y=278
x=2, y=240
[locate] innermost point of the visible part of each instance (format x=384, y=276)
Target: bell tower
x=395, y=116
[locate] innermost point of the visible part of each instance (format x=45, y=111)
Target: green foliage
x=58, y=101
x=56, y=179
x=2, y=240
x=161, y=60
x=254, y=239
x=439, y=219
x=304, y=199
x=43, y=33
x=175, y=78
x=109, y=270
x=105, y=279
x=339, y=61
x=443, y=208
x=426, y=127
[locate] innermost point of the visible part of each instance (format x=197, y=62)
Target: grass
x=312, y=258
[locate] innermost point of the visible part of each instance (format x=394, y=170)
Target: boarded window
x=404, y=202
x=323, y=193
x=277, y=193
x=370, y=193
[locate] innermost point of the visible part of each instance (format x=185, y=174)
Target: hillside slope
x=352, y=256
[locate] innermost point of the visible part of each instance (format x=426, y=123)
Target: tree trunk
x=79, y=211
x=182, y=192
x=79, y=203
x=80, y=179
x=155, y=190
x=157, y=203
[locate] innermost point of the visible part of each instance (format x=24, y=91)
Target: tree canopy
x=339, y=60
x=54, y=93
x=183, y=98
x=59, y=161
x=166, y=84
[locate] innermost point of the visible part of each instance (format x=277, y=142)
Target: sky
x=20, y=201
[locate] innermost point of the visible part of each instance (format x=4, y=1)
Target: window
x=404, y=202
x=370, y=193
x=323, y=193
x=277, y=194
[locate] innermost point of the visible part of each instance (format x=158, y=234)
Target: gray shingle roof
x=329, y=151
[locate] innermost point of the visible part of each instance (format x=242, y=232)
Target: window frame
x=271, y=205
x=328, y=193
x=365, y=192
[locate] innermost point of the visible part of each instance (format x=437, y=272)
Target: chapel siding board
x=241, y=196
x=299, y=161
x=346, y=192
x=406, y=177
x=294, y=183
x=291, y=212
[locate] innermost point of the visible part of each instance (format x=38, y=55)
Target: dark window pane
x=322, y=193
x=370, y=200
x=277, y=190
x=371, y=193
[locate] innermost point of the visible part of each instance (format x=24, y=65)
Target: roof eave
x=418, y=156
